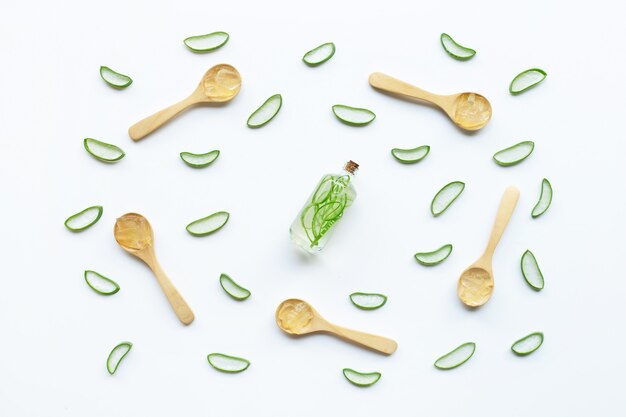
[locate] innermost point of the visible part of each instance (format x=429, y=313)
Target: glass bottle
x=313, y=226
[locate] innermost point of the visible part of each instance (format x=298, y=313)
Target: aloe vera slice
x=368, y=301
x=103, y=151
x=455, y=50
x=353, y=116
x=266, y=112
x=410, y=156
x=233, y=289
x=544, y=199
x=319, y=55
x=446, y=196
x=208, y=42
x=527, y=344
x=361, y=379
x=199, y=160
x=435, y=257
x=209, y=224
x=531, y=272
x=514, y=154
x=117, y=354
x=84, y=219
x=457, y=357
x=100, y=283
x=228, y=364
x=526, y=79
x=115, y=79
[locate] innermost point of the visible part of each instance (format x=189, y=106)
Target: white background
x=56, y=333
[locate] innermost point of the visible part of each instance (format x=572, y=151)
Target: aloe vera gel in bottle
x=313, y=226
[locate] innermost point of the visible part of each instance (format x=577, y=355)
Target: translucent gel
x=472, y=110
x=133, y=231
x=294, y=316
x=224, y=82
x=475, y=286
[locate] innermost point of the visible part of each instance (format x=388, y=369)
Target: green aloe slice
x=233, y=289
x=435, y=257
x=199, y=160
x=527, y=344
x=209, y=224
x=445, y=197
x=457, y=357
x=100, y=283
x=117, y=354
x=319, y=55
x=526, y=79
x=455, y=50
x=410, y=156
x=544, y=199
x=531, y=272
x=514, y=154
x=115, y=79
x=266, y=112
x=208, y=42
x=361, y=379
x=368, y=301
x=84, y=219
x=353, y=116
x=103, y=151
x=228, y=364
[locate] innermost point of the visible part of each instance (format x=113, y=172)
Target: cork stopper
x=351, y=166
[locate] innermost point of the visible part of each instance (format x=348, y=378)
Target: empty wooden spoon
x=469, y=111
x=297, y=317
x=220, y=84
x=134, y=234
x=475, y=284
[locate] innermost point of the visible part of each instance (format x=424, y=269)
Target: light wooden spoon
x=469, y=111
x=134, y=234
x=297, y=317
x=220, y=84
x=475, y=284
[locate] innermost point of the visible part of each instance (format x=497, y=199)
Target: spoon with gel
x=297, y=317
x=219, y=84
x=134, y=234
x=469, y=111
x=475, y=284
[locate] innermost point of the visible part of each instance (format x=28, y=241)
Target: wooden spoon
x=134, y=234
x=297, y=317
x=475, y=284
x=220, y=84
x=469, y=111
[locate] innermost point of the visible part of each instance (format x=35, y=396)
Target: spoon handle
x=182, y=310
x=377, y=343
x=507, y=206
x=151, y=123
x=392, y=85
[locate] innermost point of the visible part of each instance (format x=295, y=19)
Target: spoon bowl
x=475, y=286
x=297, y=317
x=469, y=111
x=220, y=84
x=476, y=283
x=134, y=234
